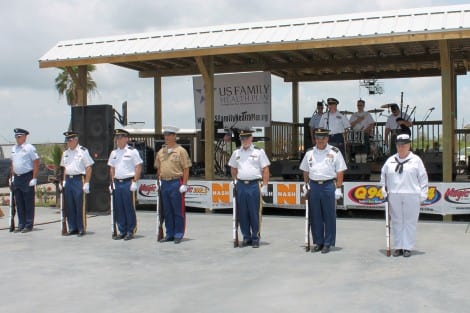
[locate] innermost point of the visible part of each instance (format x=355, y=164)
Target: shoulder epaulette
x=83, y=148
x=257, y=148
x=130, y=148
x=334, y=149
x=309, y=149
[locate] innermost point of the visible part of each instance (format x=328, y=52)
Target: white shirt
x=335, y=122
x=413, y=179
x=124, y=162
x=22, y=157
x=315, y=120
x=249, y=162
x=323, y=164
x=392, y=121
x=75, y=161
x=364, y=123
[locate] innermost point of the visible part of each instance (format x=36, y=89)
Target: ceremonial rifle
x=63, y=213
x=235, y=217
x=160, y=217
x=12, y=206
x=307, y=225
x=113, y=219
x=387, y=227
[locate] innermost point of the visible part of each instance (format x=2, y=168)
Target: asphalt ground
x=42, y=271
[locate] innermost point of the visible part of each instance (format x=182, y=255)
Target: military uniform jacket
x=75, y=161
x=22, y=157
x=124, y=162
x=323, y=164
x=335, y=122
x=249, y=163
x=172, y=162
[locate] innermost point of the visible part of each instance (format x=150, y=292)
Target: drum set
x=359, y=143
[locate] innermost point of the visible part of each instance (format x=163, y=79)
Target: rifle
x=159, y=212
x=63, y=213
x=387, y=227
x=12, y=206
x=113, y=219
x=235, y=217
x=307, y=225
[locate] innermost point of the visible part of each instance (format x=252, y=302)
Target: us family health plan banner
x=443, y=198
x=240, y=100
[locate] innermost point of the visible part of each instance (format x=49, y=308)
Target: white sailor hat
x=403, y=139
x=170, y=130
x=20, y=132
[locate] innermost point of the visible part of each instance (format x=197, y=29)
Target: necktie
x=399, y=167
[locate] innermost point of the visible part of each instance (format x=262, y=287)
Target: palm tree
x=65, y=84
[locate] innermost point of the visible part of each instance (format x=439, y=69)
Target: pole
x=235, y=217
x=387, y=228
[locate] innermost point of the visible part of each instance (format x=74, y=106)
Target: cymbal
x=387, y=105
x=345, y=112
x=375, y=111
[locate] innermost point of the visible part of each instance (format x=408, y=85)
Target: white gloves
x=33, y=182
x=264, y=190
x=86, y=188
x=9, y=182
x=338, y=193
x=424, y=196
x=233, y=183
x=305, y=190
x=133, y=186
x=183, y=188
x=384, y=193
x=157, y=185
x=111, y=188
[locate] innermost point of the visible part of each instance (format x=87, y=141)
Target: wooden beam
x=157, y=104
x=82, y=86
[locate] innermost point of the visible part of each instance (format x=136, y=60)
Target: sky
x=28, y=98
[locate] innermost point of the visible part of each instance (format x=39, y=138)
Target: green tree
x=67, y=87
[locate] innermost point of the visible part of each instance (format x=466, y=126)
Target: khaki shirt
x=172, y=164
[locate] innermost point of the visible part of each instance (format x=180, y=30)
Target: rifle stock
x=12, y=207
x=113, y=218
x=159, y=213
x=235, y=218
x=63, y=213
x=307, y=225
x=387, y=228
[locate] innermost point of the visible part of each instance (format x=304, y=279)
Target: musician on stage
x=336, y=123
x=396, y=122
x=315, y=121
x=362, y=121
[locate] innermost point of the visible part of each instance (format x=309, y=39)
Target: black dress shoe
x=18, y=230
x=398, y=252
x=246, y=243
x=81, y=233
x=317, y=248
x=128, y=237
x=72, y=232
x=178, y=240
x=406, y=253
x=325, y=249
x=166, y=239
x=26, y=230
x=119, y=237
x=255, y=244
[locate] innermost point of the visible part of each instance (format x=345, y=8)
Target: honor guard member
x=323, y=168
x=25, y=167
x=336, y=123
x=315, y=120
x=249, y=165
x=172, y=164
x=405, y=180
x=125, y=167
x=77, y=164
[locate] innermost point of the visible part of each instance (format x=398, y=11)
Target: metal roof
x=401, y=43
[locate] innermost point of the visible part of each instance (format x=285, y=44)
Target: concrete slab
x=42, y=271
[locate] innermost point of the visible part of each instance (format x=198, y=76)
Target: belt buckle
x=321, y=182
x=246, y=182
x=70, y=176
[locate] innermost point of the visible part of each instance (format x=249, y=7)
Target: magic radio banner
x=240, y=100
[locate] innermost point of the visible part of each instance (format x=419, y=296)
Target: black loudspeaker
x=217, y=125
x=95, y=125
x=98, y=200
x=433, y=163
x=357, y=171
x=290, y=170
x=307, y=140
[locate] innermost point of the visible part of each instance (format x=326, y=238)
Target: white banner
x=240, y=100
x=443, y=198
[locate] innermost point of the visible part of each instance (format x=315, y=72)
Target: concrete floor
x=42, y=271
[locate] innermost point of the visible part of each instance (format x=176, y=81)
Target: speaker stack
x=95, y=125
